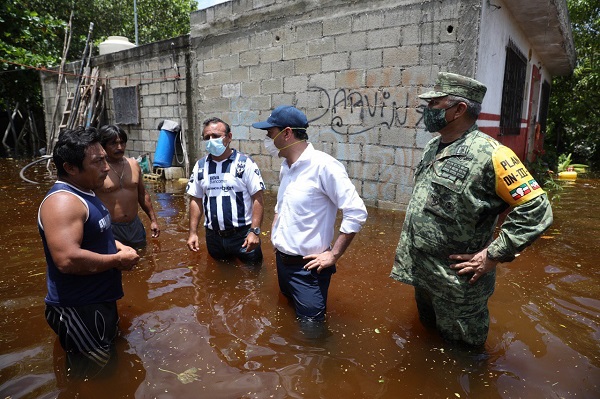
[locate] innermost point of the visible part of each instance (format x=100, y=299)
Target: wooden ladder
x=67, y=112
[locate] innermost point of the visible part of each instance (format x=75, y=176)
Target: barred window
x=512, y=90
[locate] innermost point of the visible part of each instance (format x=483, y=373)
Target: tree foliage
x=574, y=115
x=32, y=36
x=26, y=38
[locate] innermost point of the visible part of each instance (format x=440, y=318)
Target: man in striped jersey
x=227, y=187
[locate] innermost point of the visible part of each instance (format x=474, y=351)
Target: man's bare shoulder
x=63, y=202
x=135, y=166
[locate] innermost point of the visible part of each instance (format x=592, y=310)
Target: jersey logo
x=239, y=170
x=104, y=223
x=241, y=166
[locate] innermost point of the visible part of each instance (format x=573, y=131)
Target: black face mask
x=435, y=118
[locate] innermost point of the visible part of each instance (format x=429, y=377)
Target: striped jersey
x=226, y=188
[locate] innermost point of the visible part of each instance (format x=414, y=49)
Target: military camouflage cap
x=456, y=85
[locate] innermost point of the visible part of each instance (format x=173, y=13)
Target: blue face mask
x=215, y=147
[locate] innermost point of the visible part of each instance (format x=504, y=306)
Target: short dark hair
x=299, y=133
x=71, y=147
x=214, y=119
x=473, y=107
x=111, y=132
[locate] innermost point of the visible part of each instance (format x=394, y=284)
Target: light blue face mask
x=215, y=147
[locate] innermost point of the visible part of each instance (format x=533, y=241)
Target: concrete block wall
x=355, y=68
x=160, y=72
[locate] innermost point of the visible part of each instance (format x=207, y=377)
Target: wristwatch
x=255, y=230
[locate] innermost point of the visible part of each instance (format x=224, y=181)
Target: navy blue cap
x=284, y=116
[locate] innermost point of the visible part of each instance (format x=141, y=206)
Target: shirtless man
x=124, y=189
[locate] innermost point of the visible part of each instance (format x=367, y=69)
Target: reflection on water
x=195, y=327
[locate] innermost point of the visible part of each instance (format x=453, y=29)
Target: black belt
x=230, y=232
x=292, y=259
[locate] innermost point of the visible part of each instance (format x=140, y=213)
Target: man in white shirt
x=226, y=186
x=313, y=186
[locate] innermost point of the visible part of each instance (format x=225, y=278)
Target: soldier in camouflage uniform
x=464, y=181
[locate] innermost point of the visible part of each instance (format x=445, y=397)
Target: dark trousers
x=464, y=323
x=220, y=247
x=307, y=289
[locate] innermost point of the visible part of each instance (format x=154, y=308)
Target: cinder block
x=398, y=137
x=249, y=58
x=311, y=30
x=281, y=99
x=335, y=62
x=271, y=86
x=307, y=66
x=294, y=84
x=350, y=78
x=337, y=25
x=351, y=42
x=367, y=21
x=308, y=97
x=323, y=80
x=408, y=156
x=154, y=112
x=167, y=112
x=366, y=59
x=272, y=54
x=250, y=89
x=167, y=87
x=260, y=72
x=378, y=38
x=321, y=45
x=211, y=65
x=379, y=154
x=394, y=174
x=240, y=44
x=294, y=51
x=231, y=90
x=154, y=88
x=363, y=170
x=384, y=77
x=222, y=77
x=230, y=61
x=261, y=40
x=347, y=152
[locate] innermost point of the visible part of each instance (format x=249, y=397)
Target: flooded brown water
x=192, y=327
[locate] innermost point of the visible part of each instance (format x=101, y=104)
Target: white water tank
x=114, y=43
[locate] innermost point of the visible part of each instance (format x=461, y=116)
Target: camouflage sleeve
x=522, y=226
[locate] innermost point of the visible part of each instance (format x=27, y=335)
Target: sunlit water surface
x=193, y=327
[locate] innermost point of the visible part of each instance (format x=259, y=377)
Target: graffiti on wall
x=377, y=109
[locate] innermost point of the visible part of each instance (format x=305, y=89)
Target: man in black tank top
x=84, y=262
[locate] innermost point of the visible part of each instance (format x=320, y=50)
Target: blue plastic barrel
x=165, y=148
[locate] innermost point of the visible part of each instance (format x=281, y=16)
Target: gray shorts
x=132, y=234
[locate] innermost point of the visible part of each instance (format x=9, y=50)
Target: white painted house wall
x=497, y=28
